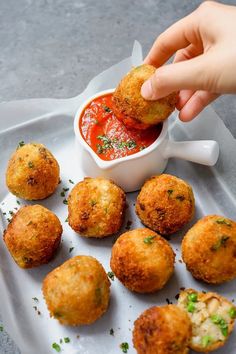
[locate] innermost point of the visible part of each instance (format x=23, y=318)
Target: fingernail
x=146, y=90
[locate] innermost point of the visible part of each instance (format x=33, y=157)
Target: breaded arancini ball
x=209, y=249
x=132, y=108
x=77, y=292
x=33, y=236
x=142, y=260
x=96, y=207
x=32, y=172
x=212, y=317
x=162, y=330
x=165, y=204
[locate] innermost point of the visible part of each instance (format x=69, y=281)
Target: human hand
x=205, y=61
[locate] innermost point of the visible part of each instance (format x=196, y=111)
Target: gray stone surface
x=52, y=48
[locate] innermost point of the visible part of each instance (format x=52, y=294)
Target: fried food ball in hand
x=96, y=207
x=132, y=108
x=142, y=260
x=33, y=236
x=212, y=317
x=165, y=204
x=32, y=172
x=77, y=292
x=209, y=249
x=162, y=330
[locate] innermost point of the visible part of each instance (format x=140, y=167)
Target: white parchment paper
x=51, y=122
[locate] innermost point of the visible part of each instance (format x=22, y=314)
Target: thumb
x=193, y=74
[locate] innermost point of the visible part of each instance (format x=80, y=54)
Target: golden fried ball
x=77, y=292
x=165, y=204
x=132, y=108
x=209, y=249
x=142, y=260
x=96, y=207
x=32, y=172
x=33, y=236
x=212, y=317
x=162, y=330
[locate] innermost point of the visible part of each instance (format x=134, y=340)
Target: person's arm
x=205, y=61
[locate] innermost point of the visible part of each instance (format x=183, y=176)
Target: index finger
x=177, y=36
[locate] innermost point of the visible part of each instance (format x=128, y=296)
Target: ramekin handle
x=205, y=152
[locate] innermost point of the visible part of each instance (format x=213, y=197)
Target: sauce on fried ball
x=165, y=204
x=162, y=330
x=132, y=108
x=32, y=172
x=96, y=207
x=33, y=236
x=212, y=317
x=209, y=249
x=77, y=292
x=142, y=260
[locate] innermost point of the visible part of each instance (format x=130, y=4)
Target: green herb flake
x=65, y=201
x=20, y=144
x=112, y=332
x=66, y=219
x=206, y=340
x=191, y=307
x=181, y=198
x=67, y=340
x=56, y=347
x=93, y=202
x=62, y=194
x=71, y=249
x=1, y=328
x=111, y=275
x=18, y=202
x=4, y=213
x=170, y=191
x=30, y=164
x=35, y=299
x=221, y=242
x=192, y=297
x=71, y=181
x=149, y=240
x=124, y=347
x=65, y=189
x=106, y=108
x=232, y=312
x=224, y=222
x=142, y=148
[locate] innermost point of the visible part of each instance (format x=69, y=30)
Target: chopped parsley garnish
x=111, y=275
x=124, y=347
x=191, y=307
x=62, y=194
x=56, y=347
x=65, y=201
x=66, y=219
x=106, y=109
x=170, y=191
x=142, y=148
x=223, y=221
x=71, y=249
x=149, y=240
x=221, y=242
x=93, y=202
x=206, y=340
x=192, y=297
x=1, y=328
x=71, y=181
x=67, y=340
x=218, y=320
x=11, y=212
x=232, y=312
x=112, y=332
x=109, y=144
x=30, y=164
x=35, y=299
x=65, y=189
x=20, y=144
x=18, y=202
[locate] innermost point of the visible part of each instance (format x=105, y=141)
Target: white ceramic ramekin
x=131, y=171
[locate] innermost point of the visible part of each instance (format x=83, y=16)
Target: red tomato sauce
x=108, y=136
